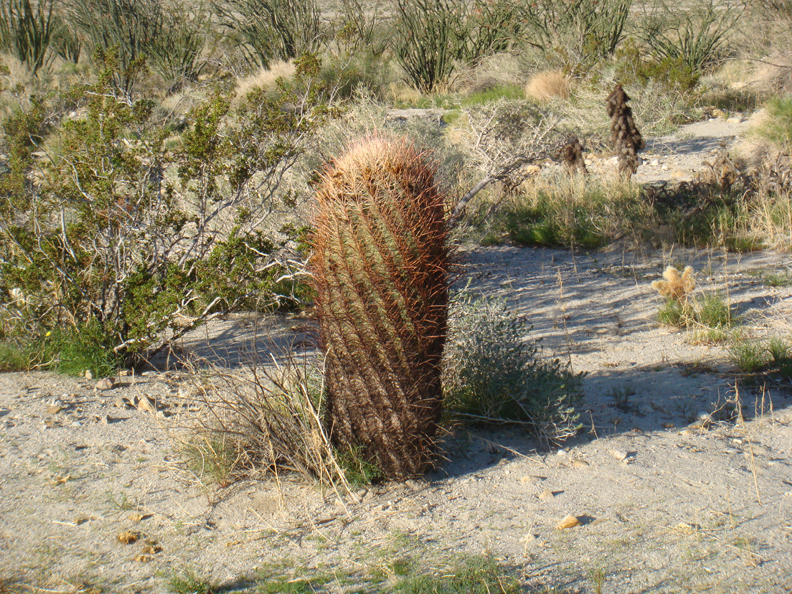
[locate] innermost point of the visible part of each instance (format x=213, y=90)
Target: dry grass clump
x=548, y=85
x=267, y=418
x=265, y=78
x=677, y=285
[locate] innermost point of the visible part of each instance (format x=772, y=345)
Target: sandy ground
x=666, y=502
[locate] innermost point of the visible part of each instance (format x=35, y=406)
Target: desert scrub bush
x=493, y=374
x=379, y=268
x=696, y=37
x=569, y=211
x=271, y=30
x=578, y=33
x=166, y=35
x=112, y=227
x=431, y=35
x=26, y=30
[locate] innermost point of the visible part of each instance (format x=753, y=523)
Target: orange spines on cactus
x=380, y=271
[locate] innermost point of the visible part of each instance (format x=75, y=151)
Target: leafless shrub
x=504, y=138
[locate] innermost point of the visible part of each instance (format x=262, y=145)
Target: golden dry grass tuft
x=265, y=78
x=548, y=85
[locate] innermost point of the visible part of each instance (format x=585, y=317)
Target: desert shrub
x=26, y=31
x=431, y=35
x=493, y=375
x=271, y=30
x=362, y=28
x=119, y=232
x=578, y=32
x=696, y=37
x=670, y=73
x=168, y=37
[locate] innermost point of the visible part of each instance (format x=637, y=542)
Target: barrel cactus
x=380, y=272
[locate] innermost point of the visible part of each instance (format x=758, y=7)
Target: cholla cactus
x=625, y=137
x=380, y=268
x=676, y=286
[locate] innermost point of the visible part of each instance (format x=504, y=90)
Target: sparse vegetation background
x=159, y=161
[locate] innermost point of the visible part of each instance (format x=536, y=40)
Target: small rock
x=54, y=409
x=686, y=432
x=125, y=372
x=88, y=374
x=668, y=425
x=146, y=404
x=618, y=455
x=718, y=113
x=546, y=494
x=735, y=120
x=568, y=522
x=654, y=162
x=80, y=520
x=561, y=453
x=143, y=558
x=580, y=464
x=105, y=384
x=135, y=517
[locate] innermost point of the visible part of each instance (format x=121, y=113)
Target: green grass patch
x=777, y=126
x=476, y=575
x=188, y=581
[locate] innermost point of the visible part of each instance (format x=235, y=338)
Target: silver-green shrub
x=493, y=374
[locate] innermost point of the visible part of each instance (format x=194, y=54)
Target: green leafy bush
x=119, y=236
x=494, y=375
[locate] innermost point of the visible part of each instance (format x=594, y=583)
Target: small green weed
x=778, y=279
x=772, y=355
x=189, y=582
x=621, y=397
x=13, y=358
x=213, y=458
x=777, y=126
x=357, y=470
x=477, y=575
